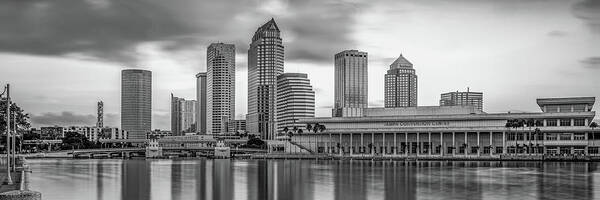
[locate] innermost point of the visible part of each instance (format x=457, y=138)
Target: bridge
x=167, y=151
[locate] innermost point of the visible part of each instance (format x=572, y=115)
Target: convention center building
x=562, y=127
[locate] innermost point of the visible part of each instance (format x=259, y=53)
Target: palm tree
x=321, y=128
x=316, y=128
x=530, y=123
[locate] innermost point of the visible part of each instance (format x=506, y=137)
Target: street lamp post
x=8, y=180
x=14, y=141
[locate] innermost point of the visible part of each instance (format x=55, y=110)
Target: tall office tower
x=265, y=63
x=100, y=116
x=462, y=98
x=136, y=102
x=201, y=102
x=183, y=116
x=351, y=83
x=401, y=84
x=295, y=100
x=220, y=80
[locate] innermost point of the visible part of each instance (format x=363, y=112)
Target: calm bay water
x=308, y=179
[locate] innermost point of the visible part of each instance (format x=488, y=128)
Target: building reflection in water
x=135, y=182
x=99, y=181
x=200, y=179
x=222, y=180
x=350, y=180
x=176, y=180
x=308, y=179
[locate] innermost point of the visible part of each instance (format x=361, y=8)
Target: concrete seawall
x=19, y=190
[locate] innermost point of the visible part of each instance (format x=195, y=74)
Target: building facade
x=462, y=98
x=351, y=83
x=136, y=102
x=183, y=115
x=220, y=89
x=562, y=128
x=52, y=132
x=201, y=102
x=240, y=126
x=400, y=84
x=100, y=115
x=295, y=100
x=265, y=63
x=94, y=134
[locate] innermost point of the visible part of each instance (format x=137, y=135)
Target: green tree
x=322, y=128
x=74, y=140
x=308, y=127
x=255, y=142
x=22, y=118
x=316, y=127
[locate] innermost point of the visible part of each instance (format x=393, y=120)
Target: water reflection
x=304, y=179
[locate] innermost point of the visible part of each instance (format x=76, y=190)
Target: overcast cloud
x=62, y=56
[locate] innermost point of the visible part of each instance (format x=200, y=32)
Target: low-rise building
x=561, y=128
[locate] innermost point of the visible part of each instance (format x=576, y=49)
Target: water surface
x=66, y=179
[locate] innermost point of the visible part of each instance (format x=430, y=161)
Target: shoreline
x=539, y=158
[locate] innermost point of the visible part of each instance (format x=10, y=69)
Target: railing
x=302, y=147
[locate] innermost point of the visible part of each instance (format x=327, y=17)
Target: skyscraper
x=462, y=98
x=136, y=102
x=351, y=83
x=220, y=89
x=400, y=84
x=183, y=116
x=295, y=100
x=201, y=102
x=265, y=63
x=100, y=116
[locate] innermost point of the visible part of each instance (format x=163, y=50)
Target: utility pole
x=8, y=180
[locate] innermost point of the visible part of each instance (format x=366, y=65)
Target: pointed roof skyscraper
x=270, y=26
x=401, y=62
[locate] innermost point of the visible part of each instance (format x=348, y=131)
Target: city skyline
x=549, y=48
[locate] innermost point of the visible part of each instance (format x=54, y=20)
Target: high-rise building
x=220, y=89
x=462, y=98
x=295, y=100
x=240, y=125
x=265, y=63
x=400, y=84
x=201, y=102
x=351, y=83
x=136, y=102
x=100, y=116
x=183, y=115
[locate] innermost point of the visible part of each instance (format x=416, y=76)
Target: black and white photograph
x=299, y=99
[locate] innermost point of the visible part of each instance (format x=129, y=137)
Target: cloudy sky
x=63, y=56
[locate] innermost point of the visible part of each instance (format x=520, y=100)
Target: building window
x=579, y=108
x=579, y=122
x=551, y=109
x=499, y=150
x=565, y=136
x=593, y=150
x=551, y=122
x=579, y=136
x=565, y=108
x=551, y=137
x=565, y=122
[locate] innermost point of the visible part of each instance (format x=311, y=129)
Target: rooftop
x=566, y=101
x=401, y=62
